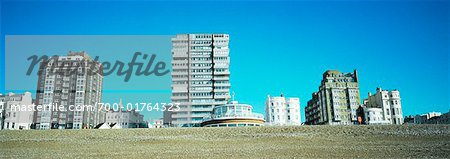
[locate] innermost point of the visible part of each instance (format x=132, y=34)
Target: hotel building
x=74, y=82
x=383, y=107
x=336, y=101
x=13, y=116
x=282, y=111
x=200, y=77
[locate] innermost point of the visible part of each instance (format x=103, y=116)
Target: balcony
x=222, y=73
x=179, y=90
x=202, y=49
x=200, y=61
x=200, y=90
x=179, y=61
x=179, y=67
x=179, y=72
x=180, y=85
x=225, y=78
x=222, y=84
x=222, y=66
x=178, y=97
x=222, y=90
x=204, y=102
x=183, y=110
x=201, y=67
x=222, y=96
x=199, y=55
x=221, y=54
x=179, y=78
x=201, y=97
x=201, y=115
x=180, y=54
x=202, y=109
x=180, y=115
x=201, y=73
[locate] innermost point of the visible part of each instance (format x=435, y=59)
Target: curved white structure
x=233, y=115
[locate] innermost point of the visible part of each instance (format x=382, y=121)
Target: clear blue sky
x=279, y=46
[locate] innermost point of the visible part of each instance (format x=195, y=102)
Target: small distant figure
x=360, y=120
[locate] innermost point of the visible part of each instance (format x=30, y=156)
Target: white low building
x=13, y=111
x=422, y=119
x=374, y=116
x=125, y=118
x=282, y=111
x=158, y=123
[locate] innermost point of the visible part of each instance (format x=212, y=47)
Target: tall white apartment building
x=200, y=77
x=282, y=111
x=72, y=81
x=13, y=116
x=389, y=102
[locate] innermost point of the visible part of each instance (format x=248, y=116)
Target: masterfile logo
x=158, y=69
x=143, y=61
